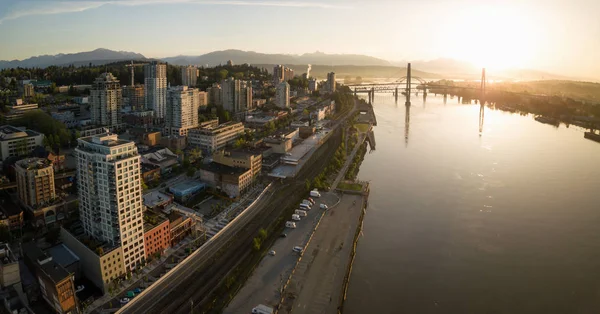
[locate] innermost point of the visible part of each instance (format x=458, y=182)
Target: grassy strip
x=356, y=162
x=350, y=186
x=363, y=127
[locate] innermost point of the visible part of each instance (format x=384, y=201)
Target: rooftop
x=9, y=132
x=222, y=169
x=107, y=139
x=9, y=208
x=76, y=230
x=6, y=255
x=51, y=268
x=220, y=128
x=62, y=255
x=34, y=163
x=152, y=219
x=155, y=198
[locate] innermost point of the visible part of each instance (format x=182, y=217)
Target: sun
x=494, y=37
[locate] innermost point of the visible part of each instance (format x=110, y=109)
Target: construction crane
x=132, y=69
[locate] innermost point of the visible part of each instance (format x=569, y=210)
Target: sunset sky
x=561, y=36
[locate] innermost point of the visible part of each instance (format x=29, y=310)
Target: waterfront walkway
x=342, y=173
x=317, y=280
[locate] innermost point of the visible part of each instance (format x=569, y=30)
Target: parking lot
x=264, y=286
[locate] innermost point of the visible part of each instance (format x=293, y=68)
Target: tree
x=256, y=243
x=144, y=186
x=186, y=163
x=226, y=116
x=307, y=185
x=195, y=154
x=222, y=74
x=191, y=172
x=262, y=234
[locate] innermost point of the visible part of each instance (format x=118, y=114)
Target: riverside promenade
x=318, y=281
x=316, y=285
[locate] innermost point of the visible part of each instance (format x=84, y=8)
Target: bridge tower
x=372, y=94
x=408, y=85
x=482, y=101
x=396, y=94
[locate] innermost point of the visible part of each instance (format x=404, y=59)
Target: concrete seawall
x=353, y=252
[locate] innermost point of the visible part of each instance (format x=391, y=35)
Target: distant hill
x=366, y=72
x=251, y=57
x=457, y=69
x=97, y=57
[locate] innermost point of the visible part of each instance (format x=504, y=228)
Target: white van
x=262, y=309
x=304, y=207
x=296, y=217
x=323, y=206
x=298, y=249
x=300, y=212
x=290, y=224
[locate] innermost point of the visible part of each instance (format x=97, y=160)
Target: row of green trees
x=335, y=164
x=86, y=74
x=259, y=239
x=356, y=162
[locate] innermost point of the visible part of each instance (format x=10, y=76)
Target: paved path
x=342, y=173
x=316, y=284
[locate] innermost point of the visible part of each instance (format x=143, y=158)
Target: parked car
x=298, y=249
x=137, y=290
x=272, y=252
x=124, y=300
x=323, y=206
x=283, y=235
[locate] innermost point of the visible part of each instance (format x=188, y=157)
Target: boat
x=547, y=120
x=592, y=136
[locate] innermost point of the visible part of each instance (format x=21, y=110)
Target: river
x=503, y=222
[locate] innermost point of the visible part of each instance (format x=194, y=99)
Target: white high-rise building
x=110, y=194
x=106, y=101
x=155, y=92
x=189, y=75
x=236, y=95
x=282, y=95
x=182, y=110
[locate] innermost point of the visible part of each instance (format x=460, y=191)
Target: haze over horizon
x=560, y=37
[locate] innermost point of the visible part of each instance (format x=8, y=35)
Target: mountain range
x=438, y=68
x=97, y=57
x=251, y=57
